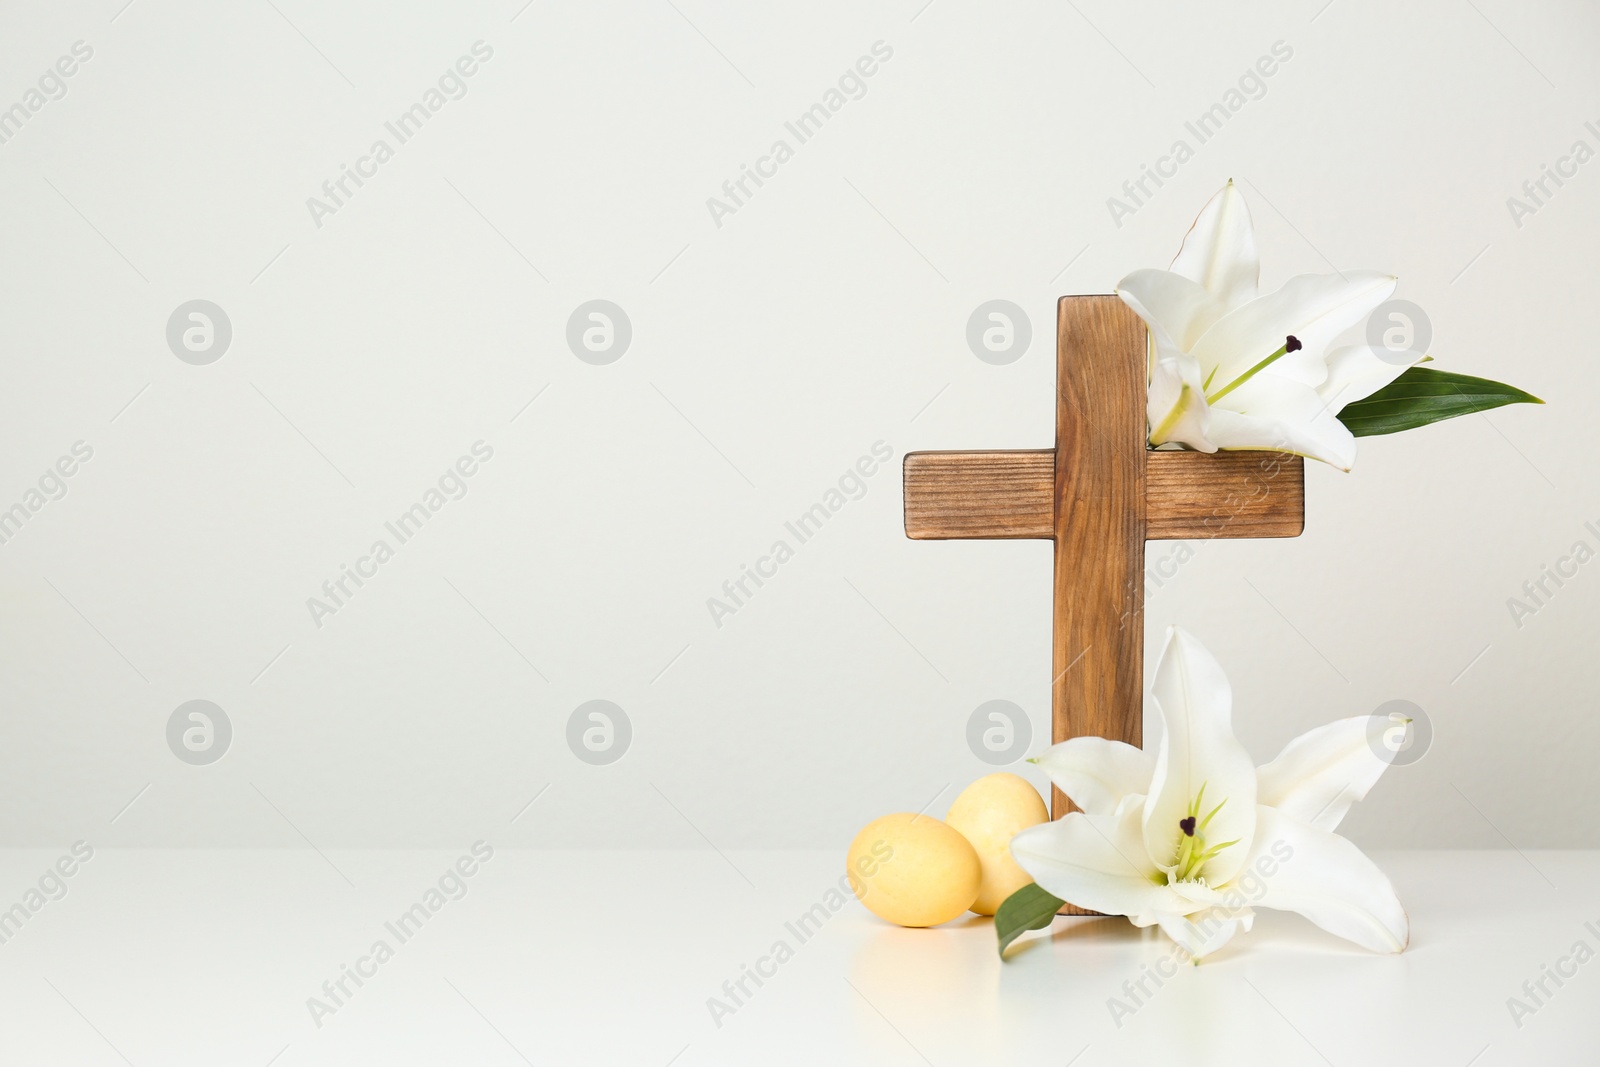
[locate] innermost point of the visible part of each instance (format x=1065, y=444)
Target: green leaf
x=1029, y=908
x=1422, y=395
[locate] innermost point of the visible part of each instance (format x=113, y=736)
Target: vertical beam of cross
x=1098, y=643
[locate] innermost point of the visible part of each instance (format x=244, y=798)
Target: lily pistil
x=1290, y=344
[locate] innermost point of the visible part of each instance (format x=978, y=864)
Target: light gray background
x=767, y=355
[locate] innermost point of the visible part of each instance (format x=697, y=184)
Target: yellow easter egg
x=913, y=870
x=989, y=813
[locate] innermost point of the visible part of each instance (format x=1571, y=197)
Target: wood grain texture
x=1098, y=641
x=980, y=494
x=1224, y=494
x=1188, y=495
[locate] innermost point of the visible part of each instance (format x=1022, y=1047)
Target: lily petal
x=1321, y=773
x=1275, y=414
x=1314, y=308
x=1328, y=880
x=1198, y=748
x=1176, y=407
x=1206, y=931
x=1096, y=862
x=1179, y=306
x=1355, y=372
x=1219, y=251
x=1097, y=773
x=1199, y=894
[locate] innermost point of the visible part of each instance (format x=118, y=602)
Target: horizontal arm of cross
x=1187, y=495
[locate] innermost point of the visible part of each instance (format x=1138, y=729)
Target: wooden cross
x=1100, y=494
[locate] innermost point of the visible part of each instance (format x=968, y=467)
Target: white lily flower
x=1193, y=836
x=1233, y=369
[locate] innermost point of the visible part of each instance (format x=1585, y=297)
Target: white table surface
x=208, y=957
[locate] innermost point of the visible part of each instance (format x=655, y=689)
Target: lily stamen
x=1193, y=853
